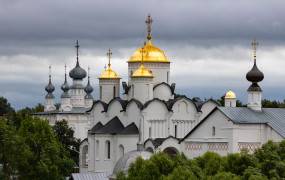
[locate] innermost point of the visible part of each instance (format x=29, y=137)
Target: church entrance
x=171, y=151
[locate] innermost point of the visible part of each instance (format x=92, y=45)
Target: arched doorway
x=149, y=149
x=171, y=151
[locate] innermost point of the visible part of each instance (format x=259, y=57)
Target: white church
x=149, y=117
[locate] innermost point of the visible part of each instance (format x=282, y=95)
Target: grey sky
x=207, y=41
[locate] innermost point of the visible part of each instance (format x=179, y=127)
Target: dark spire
x=77, y=72
x=49, y=88
x=254, y=75
x=88, y=89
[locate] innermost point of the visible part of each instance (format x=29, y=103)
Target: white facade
x=164, y=121
x=109, y=89
x=160, y=71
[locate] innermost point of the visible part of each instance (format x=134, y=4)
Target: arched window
x=213, y=131
x=108, y=150
x=97, y=149
x=121, y=150
x=114, y=91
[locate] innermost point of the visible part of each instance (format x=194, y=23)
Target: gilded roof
x=230, y=95
x=142, y=71
x=151, y=53
x=109, y=74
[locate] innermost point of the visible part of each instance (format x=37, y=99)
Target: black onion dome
x=50, y=87
x=65, y=86
x=254, y=75
x=77, y=72
x=88, y=89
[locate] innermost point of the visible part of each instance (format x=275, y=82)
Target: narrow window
x=108, y=150
x=167, y=76
x=175, y=130
x=121, y=150
x=133, y=90
x=97, y=149
x=114, y=91
x=100, y=92
x=213, y=131
x=149, y=132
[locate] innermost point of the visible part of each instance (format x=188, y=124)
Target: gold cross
x=109, y=54
x=148, y=24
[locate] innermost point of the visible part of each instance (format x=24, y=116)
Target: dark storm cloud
x=55, y=22
x=198, y=37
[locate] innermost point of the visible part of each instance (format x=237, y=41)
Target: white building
x=151, y=116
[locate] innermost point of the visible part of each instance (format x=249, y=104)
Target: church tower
x=230, y=99
x=154, y=59
x=254, y=90
x=65, y=104
x=88, y=90
x=142, y=82
x=109, y=82
x=77, y=89
x=49, y=99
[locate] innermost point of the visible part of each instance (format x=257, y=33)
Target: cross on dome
x=109, y=54
x=254, y=45
x=148, y=24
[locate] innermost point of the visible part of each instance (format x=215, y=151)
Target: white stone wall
x=77, y=97
x=78, y=122
x=203, y=139
x=142, y=89
x=254, y=100
x=65, y=104
x=101, y=163
x=162, y=92
x=106, y=89
x=49, y=104
x=207, y=108
x=184, y=117
x=161, y=71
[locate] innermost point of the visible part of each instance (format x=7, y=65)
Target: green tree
x=66, y=137
x=48, y=159
x=181, y=173
x=5, y=107
x=225, y=176
x=13, y=151
x=211, y=163
x=238, y=162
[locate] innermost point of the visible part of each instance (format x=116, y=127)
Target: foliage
x=266, y=163
x=5, y=107
x=29, y=148
x=66, y=137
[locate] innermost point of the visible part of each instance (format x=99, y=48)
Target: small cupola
x=230, y=99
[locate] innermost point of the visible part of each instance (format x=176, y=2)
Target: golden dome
x=151, y=54
x=109, y=74
x=142, y=72
x=230, y=95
